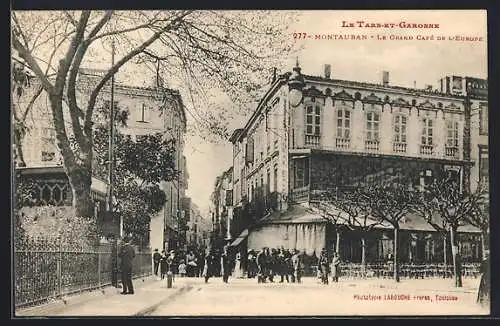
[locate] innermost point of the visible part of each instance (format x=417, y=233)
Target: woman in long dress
x=238, y=273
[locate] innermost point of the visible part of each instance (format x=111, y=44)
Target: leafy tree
x=139, y=168
x=202, y=50
x=388, y=203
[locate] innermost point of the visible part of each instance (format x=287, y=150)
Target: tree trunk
x=80, y=179
x=396, y=261
x=337, y=244
x=457, y=268
x=18, y=148
x=445, y=254
x=363, y=256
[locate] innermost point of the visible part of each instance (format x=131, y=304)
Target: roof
x=295, y=214
x=303, y=214
x=378, y=86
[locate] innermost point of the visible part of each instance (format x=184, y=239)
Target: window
x=301, y=173
x=48, y=149
x=452, y=133
x=268, y=183
x=275, y=178
x=483, y=119
x=484, y=167
x=400, y=129
x=427, y=132
x=313, y=120
x=343, y=123
x=372, y=126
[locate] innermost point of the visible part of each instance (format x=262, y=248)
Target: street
x=348, y=297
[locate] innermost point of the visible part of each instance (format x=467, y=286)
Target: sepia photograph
x=201, y=163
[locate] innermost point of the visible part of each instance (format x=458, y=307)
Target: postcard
x=179, y=163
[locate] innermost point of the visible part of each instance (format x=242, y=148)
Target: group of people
x=188, y=264
x=327, y=265
x=270, y=263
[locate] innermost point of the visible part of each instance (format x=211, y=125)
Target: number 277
x=299, y=35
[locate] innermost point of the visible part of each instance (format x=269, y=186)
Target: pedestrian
x=484, y=291
x=261, y=266
x=270, y=265
x=237, y=266
x=251, y=264
x=171, y=263
x=201, y=264
x=289, y=266
x=182, y=269
x=282, y=266
x=335, y=267
x=209, y=266
x=323, y=265
x=156, y=261
x=298, y=265
x=225, y=265
x=163, y=264
x=127, y=255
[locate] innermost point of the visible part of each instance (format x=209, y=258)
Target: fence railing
x=45, y=274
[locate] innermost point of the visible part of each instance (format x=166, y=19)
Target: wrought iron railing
x=51, y=271
x=300, y=194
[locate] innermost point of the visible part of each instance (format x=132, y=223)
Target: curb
x=73, y=300
x=148, y=310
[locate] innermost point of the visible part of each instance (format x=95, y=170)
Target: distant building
x=151, y=109
x=311, y=134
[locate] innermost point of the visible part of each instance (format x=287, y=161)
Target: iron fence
x=47, y=271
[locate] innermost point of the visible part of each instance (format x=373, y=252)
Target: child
x=182, y=268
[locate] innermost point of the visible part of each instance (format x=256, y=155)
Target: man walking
x=225, y=265
x=127, y=255
x=156, y=261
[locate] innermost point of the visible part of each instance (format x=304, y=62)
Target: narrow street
x=246, y=297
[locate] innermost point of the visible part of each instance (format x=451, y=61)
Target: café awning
x=240, y=238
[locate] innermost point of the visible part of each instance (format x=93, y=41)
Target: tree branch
x=121, y=62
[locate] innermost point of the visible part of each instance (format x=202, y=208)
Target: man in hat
x=156, y=261
x=127, y=255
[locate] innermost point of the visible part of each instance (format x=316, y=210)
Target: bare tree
x=425, y=205
x=480, y=215
x=390, y=203
x=456, y=206
x=352, y=214
x=201, y=48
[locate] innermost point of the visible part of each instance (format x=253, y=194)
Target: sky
x=411, y=62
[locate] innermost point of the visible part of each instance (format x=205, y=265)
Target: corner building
x=311, y=134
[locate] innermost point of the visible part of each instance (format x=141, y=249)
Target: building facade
x=314, y=134
x=150, y=110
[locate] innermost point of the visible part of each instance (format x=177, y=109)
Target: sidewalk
x=149, y=293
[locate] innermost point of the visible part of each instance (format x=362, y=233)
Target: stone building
x=151, y=109
x=311, y=134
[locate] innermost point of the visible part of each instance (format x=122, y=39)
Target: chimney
x=385, y=78
x=327, y=71
x=274, y=75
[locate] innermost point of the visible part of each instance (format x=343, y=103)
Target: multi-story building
x=222, y=206
x=311, y=134
x=150, y=110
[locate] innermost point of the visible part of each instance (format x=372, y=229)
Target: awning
x=240, y=238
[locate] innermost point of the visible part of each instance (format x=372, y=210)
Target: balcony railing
x=300, y=194
x=399, y=147
x=342, y=143
x=426, y=149
x=371, y=145
x=312, y=140
x=451, y=152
